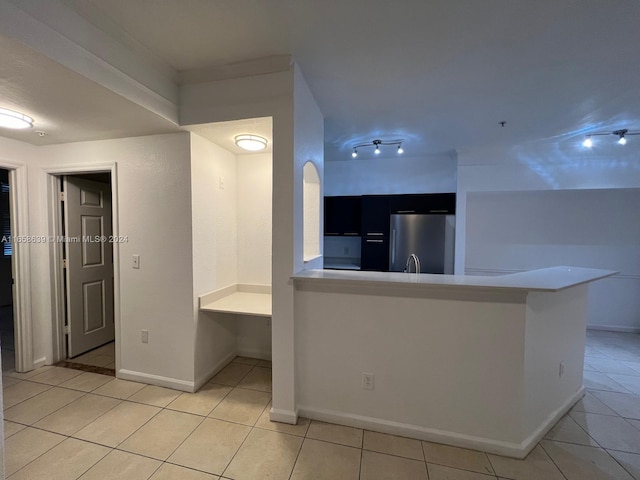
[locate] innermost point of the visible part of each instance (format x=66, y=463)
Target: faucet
x=416, y=262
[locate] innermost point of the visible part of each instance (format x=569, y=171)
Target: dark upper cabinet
x=375, y=215
x=429, y=203
x=342, y=215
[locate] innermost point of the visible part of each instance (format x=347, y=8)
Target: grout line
x=552, y=460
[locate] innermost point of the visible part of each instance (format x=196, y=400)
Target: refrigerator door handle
x=393, y=246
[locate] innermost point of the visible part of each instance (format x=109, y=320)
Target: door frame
x=53, y=179
x=20, y=264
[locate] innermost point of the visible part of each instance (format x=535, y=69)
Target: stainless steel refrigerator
x=430, y=237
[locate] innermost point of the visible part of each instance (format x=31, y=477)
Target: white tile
x=67, y=460
x=610, y=432
x=117, y=424
x=393, y=445
x=265, y=454
x=630, y=382
x=602, y=381
x=567, y=430
x=119, y=465
x=457, y=457
x=211, y=446
x=625, y=405
x=581, y=462
x=329, y=432
x=536, y=466
x=378, y=466
x=27, y=445
x=326, y=461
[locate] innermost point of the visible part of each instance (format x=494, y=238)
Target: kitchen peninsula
x=489, y=363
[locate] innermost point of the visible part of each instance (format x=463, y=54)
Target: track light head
x=400, y=150
x=587, y=142
x=354, y=154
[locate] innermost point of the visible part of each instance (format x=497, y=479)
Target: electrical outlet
x=136, y=261
x=561, y=369
x=367, y=380
x=145, y=336
x=346, y=251
x=221, y=182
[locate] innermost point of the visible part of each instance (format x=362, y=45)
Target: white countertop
x=550, y=279
x=240, y=298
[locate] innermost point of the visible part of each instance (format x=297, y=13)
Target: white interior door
x=89, y=272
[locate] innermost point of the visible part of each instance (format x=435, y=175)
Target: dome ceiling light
x=622, y=135
x=253, y=143
x=15, y=120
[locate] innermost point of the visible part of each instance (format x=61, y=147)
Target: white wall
x=255, y=173
x=215, y=250
x=153, y=189
x=564, y=219
x=511, y=231
x=391, y=175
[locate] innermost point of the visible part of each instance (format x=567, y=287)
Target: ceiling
x=440, y=74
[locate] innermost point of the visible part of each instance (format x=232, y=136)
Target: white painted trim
x=614, y=328
x=20, y=265
x=509, y=449
x=538, y=434
x=213, y=371
x=283, y=416
x=158, y=380
x=40, y=362
x=56, y=254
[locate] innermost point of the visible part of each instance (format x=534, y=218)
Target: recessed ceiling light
x=17, y=120
x=253, y=143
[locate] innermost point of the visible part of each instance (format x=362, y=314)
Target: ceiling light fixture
x=16, y=120
x=622, y=135
x=376, y=143
x=253, y=143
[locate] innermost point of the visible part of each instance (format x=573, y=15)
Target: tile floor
x=104, y=356
x=66, y=424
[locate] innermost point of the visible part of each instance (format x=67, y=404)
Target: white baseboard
x=509, y=449
x=214, y=370
x=283, y=416
x=157, y=380
x=41, y=362
x=538, y=434
x=614, y=328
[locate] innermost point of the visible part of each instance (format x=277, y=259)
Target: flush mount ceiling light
x=376, y=144
x=16, y=120
x=253, y=143
x=622, y=135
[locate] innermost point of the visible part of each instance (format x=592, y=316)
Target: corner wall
x=542, y=204
x=215, y=251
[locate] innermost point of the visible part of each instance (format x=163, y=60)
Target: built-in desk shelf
x=241, y=298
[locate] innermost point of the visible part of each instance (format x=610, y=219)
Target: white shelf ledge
x=240, y=298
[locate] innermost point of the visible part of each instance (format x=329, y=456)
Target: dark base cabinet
x=374, y=254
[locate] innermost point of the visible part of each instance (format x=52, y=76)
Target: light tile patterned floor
x=65, y=424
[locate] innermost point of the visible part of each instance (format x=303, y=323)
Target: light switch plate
x=136, y=261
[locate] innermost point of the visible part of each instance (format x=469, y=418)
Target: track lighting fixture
x=376, y=143
x=622, y=135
